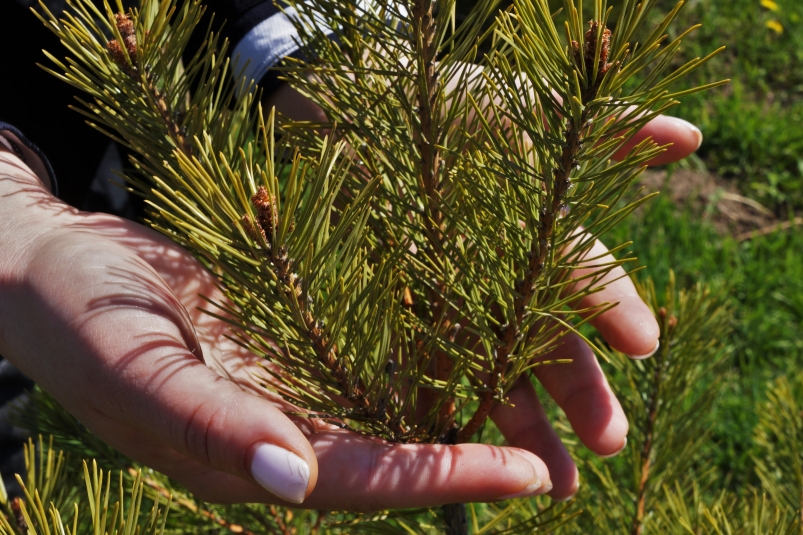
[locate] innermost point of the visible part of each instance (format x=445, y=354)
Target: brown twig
x=266, y=222
x=426, y=139
x=510, y=334
x=769, y=229
x=641, y=498
x=174, y=129
x=326, y=352
x=279, y=521
x=129, y=48
x=637, y=525
x=189, y=505
x=316, y=527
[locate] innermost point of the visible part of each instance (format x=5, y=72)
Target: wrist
x=12, y=141
x=294, y=105
x=28, y=211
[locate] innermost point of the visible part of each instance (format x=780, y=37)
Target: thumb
x=210, y=420
x=123, y=363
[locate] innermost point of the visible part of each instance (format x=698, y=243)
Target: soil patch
x=713, y=198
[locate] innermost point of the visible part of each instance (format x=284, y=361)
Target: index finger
x=363, y=474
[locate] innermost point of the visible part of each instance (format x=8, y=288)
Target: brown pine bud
x=594, y=49
x=251, y=230
x=131, y=47
x=126, y=28
x=605, y=47
x=267, y=212
x=16, y=508
x=673, y=321
x=124, y=25
x=116, y=51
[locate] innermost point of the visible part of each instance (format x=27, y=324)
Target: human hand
x=579, y=388
x=103, y=314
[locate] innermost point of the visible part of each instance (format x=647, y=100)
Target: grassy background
x=754, y=140
x=753, y=128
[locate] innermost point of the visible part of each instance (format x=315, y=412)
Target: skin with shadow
x=105, y=315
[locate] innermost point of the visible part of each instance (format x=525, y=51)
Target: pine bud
x=267, y=212
x=251, y=230
x=126, y=28
x=124, y=25
x=673, y=321
x=116, y=51
x=591, y=51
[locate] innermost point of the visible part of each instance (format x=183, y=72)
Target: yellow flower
x=770, y=4
x=775, y=26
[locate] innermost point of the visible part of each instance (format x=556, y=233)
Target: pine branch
x=128, y=62
x=556, y=190
x=162, y=491
x=666, y=399
x=655, y=395
x=779, y=456
x=424, y=261
x=267, y=222
x=426, y=138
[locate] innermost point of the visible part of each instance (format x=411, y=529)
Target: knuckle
x=204, y=431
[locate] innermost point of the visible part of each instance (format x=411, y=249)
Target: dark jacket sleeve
x=38, y=104
x=15, y=141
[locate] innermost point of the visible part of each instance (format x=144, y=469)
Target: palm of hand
x=118, y=304
x=105, y=315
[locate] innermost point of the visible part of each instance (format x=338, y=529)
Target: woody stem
x=510, y=335
x=426, y=139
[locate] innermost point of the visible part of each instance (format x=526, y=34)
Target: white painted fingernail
x=648, y=355
x=617, y=452
x=696, y=131
x=536, y=487
x=280, y=471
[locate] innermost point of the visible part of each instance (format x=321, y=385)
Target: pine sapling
x=401, y=266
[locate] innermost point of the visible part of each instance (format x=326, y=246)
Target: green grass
x=754, y=137
x=764, y=279
x=753, y=127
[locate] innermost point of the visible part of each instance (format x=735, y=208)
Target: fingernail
x=570, y=496
x=648, y=355
x=696, y=131
x=536, y=486
x=617, y=452
x=699, y=135
x=280, y=471
x=530, y=490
